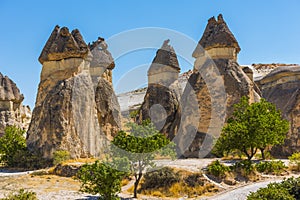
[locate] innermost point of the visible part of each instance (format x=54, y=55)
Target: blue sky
x=268, y=31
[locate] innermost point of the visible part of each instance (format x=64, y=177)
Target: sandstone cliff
x=281, y=87
x=12, y=112
x=65, y=115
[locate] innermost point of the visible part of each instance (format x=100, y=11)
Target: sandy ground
x=50, y=187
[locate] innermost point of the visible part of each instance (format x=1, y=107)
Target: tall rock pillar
x=65, y=116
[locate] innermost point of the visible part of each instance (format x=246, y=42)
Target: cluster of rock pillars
x=77, y=110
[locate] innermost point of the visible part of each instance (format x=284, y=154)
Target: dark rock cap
x=9, y=90
x=62, y=44
x=165, y=56
x=217, y=34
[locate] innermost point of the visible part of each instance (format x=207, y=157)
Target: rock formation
x=65, y=114
x=281, y=87
x=162, y=101
x=102, y=63
x=108, y=108
x=217, y=83
x=12, y=112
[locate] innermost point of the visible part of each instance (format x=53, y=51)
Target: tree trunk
x=136, y=183
x=262, y=150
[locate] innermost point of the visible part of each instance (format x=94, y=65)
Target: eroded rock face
x=65, y=114
x=102, y=62
x=281, y=87
x=217, y=83
x=108, y=108
x=208, y=101
x=162, y=100
x=12, y=112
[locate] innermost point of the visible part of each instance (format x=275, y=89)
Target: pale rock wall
x=222, y=53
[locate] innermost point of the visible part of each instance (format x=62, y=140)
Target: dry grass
x=182, y=188
x=79, y=160
x=41, y=183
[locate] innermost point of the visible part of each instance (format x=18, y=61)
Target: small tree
x=102, y=178
x=140, y=145
x=12, y=146
x=252, y=127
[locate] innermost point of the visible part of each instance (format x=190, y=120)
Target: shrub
x=288, y=189
x=101, y=178
x=194, y=180
x=245, y=167
x=21, y=195
x=270, y=193
x=163, y=177
x=217, y=169
x=60, y=156
x=275, y=167
x=295, y=161
x=12, y=146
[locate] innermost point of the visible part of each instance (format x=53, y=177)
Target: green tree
x=103, y=178
x=12, y=146
x=140, y=145
x=253, y=126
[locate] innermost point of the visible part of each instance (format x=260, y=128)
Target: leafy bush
x=275, y=167
x=21, y=195
x=292, y=185
x=270, y=192
x=163, y=177
x=245, y=167
x=295, y=161
x=101, y=178
x=217, y=169
x=12, y=146
x=288, y=189
x=60, y=156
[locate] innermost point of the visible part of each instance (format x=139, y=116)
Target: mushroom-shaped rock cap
x=62, y=44
x=165, y=56
x=101, y=56
x=9, y=90
x=216, y=34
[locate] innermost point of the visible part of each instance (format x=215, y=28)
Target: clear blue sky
x=267, y=30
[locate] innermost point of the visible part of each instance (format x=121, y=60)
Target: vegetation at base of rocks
x=12, y=146
x=166, y=182
x=60, y=156
x=244, y=170
x=244, y=167
x=295, y=162
x=101, y=178
x=217, y=169
x=288, y=189
x=14, y=153
x=21, y=195
x=271, y=167
x=164, y=177
x=133, y=114
x=140, y=144
x=253, y=127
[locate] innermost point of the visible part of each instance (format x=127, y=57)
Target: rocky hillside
x=12, y=111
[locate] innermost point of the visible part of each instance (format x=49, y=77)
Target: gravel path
x=240, y=193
